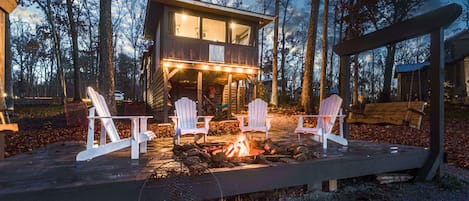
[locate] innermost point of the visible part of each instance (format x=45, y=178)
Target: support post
x=433, y=163
x=199, y=93
x=255, y=84
x=165, y=95
x=344, y=83
x=238, y=97
x=2, y=146
x=230, y=79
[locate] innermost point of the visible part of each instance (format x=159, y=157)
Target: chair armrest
x=207, y=119
x=240, y=118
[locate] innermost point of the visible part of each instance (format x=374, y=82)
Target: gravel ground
x=454, y=186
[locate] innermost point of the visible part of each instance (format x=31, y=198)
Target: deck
x=51, y=173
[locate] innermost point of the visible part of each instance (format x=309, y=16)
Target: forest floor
x=43, y=125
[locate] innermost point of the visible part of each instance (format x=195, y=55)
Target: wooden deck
x=51, y=173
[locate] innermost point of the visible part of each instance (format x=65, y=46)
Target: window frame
x=251, y=39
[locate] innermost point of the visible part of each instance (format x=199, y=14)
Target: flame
x=239, y=148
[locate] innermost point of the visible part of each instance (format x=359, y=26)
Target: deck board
x=52, y=173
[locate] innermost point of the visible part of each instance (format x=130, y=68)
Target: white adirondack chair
x=138, y=131
x=185, y=121
x=258, y=120
x=329, y=110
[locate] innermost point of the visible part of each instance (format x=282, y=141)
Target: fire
x=239, y=148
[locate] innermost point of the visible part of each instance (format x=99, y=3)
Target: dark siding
x=155, y=96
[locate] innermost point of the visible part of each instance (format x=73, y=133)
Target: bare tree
x=306, y=96
x=47, y=8
x=274, y=97
x=324, y=51
x=283, y=51
x=74, y=36
x=106, y=61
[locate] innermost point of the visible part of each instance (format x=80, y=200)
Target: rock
x=187, y=146
x=204, y=156
x=291, y=148
x=261, y=159
x=218, y=157
x=191, y=160
x=228, y=164
x=301, y=149
x=300, y=157
x=198, y=169
x=287, y=160
x=193, y=152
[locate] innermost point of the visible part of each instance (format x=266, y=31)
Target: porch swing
x=407, y=113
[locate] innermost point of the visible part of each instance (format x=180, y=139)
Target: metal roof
x=404, y=68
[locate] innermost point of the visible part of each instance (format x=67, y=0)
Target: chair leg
x=205, y=138
x=143, y=147
x=299, y=139
x=266, y=135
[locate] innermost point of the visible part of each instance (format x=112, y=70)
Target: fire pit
x=242, y=151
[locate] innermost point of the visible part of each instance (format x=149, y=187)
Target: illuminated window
x=186, y=25
x=213, y=30
x=240, y=34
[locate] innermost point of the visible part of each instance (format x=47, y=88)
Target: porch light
x=239, y=70
x=5, y=94
x=166, y=64
x=179, y=66
x=233, y=25
x=204, y=67
x=184, y=17
x=217, y=68
x=250, y=71
x=228, y=69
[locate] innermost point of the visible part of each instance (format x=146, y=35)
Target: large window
x=240, y=34
x=214, y=30
x=186, y=25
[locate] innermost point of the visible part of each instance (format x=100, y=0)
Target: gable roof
x=154, y=6
x=457, y=46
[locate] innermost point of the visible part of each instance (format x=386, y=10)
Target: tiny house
x=203, y=51
x=414, y=79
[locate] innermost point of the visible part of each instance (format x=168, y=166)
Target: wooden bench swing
x=408, y=113
x=397, y=113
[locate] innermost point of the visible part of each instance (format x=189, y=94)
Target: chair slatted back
x=257, y=113
x=186, y=111
x=329, y=106
x=103, y=111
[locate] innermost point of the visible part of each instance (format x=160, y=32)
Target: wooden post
x=344, y=82
x=199, y=93
x=433, y=163
x=230, y=79
x=238, y=97
x=165, y=95
x=2, y=146
x=255, y=83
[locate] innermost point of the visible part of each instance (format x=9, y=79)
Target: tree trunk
x=283, y=52
x=324, y=51
x=74, y=36
x=306, y=96
x=106, y=61
x=331, y=69
x=57, y=49
x=386, y=93
x=274, y=98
